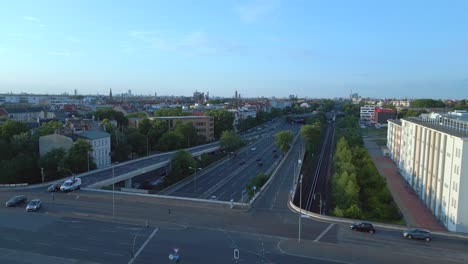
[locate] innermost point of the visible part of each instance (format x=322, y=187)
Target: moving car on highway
x=363, y=227
x=17, y=200
x=34, y=205
x=71, y=184
x=54, y=187
x=417, y=234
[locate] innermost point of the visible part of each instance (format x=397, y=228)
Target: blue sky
x=259, y=47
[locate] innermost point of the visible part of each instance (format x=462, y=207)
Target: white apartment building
x=367, y=112
x=432, y=154
x=101, y=143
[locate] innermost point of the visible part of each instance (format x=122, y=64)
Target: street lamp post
x=195, y=177
x=320, y=204
x=42, y=174
x=300, y=209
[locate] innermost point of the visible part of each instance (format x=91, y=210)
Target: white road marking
x=61, y=235
x=43, y=244
x=79, y=249
x=129, y=228
x=113, y=254
x=75, y=226
x=109, y=231
x=143, y=246
x=11, y=239
x=93, y=238
x=324, y=232
x=127, y=244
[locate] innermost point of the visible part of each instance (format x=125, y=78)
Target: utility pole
x=300, y=210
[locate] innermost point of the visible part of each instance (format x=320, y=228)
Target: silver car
x=33, y=205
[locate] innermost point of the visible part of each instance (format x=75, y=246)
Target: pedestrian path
x=415, y=212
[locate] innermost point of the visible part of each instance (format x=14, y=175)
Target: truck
x=70, y=185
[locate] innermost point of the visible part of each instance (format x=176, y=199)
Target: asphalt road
x=227, y=179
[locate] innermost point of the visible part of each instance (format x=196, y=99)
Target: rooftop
x=180, y=117
x=93, y=135
x=442, y=127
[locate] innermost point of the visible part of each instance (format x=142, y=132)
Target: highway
x=81, y=227
x=227, y=179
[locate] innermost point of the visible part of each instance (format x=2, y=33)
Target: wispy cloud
x=30, y=18
x=192, y=43
x=256, y=10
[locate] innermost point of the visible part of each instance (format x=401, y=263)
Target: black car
x=17, y=200
x=417, y=234
x=242, y=162
x=258, y=159
x=54, y=187
x=363, y=227
x=260, y=164
x=275, y=156
x=274, y=150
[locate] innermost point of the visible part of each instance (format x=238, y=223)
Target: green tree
x=188, y=131
x=180, y=163
x=230, y=141
x=111, y=114
x=311, y=135
x=49, y=128
x=20, y=169
x=78, y=156
x=137, y=114
x=283, y=140
x=247, y=123
x=177, y=111
x=170, y=141
x=144, y=126
x=223, y=120
x=11, y=128
x=137, y=141
x=51, y=162
x=427, y=103
x=257, y=181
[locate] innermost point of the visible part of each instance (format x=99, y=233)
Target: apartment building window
x=454, y=203
x=444, y=202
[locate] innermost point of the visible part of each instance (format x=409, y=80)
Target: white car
x=71, y=184
x=33, y=205
x=254, y=148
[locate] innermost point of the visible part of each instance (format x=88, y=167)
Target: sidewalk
x=415, y=212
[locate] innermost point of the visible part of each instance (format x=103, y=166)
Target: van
x=71, y=184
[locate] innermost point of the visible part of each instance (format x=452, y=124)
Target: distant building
x=203, y=124
x=432, y=153
x=381, y=116
x=101, y=143
x=49, y=142
x=367, y=113
x=24, y=114
x=281, y=104
x=198, y=97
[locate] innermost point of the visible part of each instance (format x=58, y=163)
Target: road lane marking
x=143, y=246
x=113, y=254
x=93, y=238
x=79, y=249
x=75, y=226
x=61, y=235
x=127, y=244
x=324, y=232
x=11, y=239
x=109, y=231
x=43, y=244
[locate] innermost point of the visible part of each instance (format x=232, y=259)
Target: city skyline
x=259, y=48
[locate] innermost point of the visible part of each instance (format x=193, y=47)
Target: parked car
x=417, y=234
x=363, y=227
x=33, y=205
x=17, y=200
x=54, y=187
x=71, y=184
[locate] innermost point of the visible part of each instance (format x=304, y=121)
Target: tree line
x=358, y=190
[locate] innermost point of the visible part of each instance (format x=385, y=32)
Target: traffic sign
x=176, y=250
